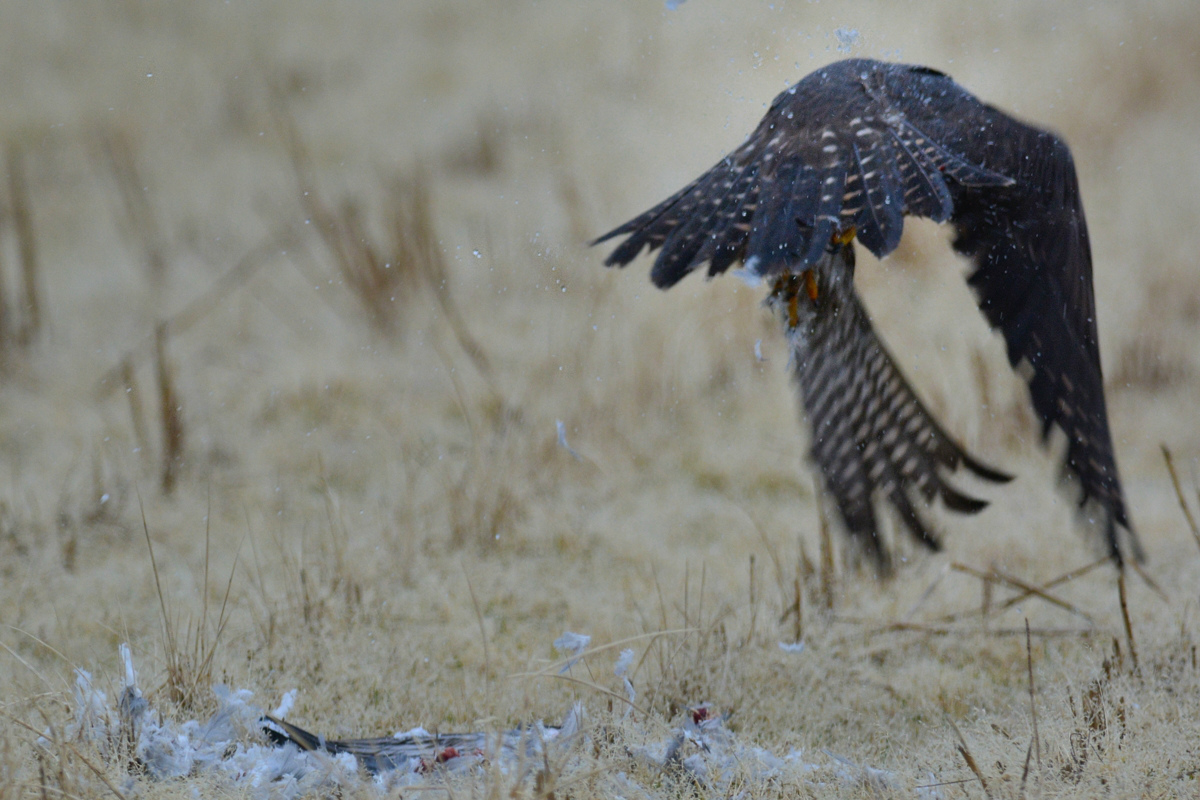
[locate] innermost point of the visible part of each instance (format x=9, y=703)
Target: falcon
x=843, y=155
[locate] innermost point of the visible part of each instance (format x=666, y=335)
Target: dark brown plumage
x=848, y=152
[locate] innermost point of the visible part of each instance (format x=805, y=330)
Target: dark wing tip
x=911, y=518
x=615, y=232
x=665, y=274
x=1135, y=544
x=962, y=503
x=627, y=250
x=984, y=471
x=1116, y=518
x=882, y=559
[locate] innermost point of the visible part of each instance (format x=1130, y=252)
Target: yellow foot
x=810, y=284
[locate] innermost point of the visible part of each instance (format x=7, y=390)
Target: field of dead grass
x=295, y=296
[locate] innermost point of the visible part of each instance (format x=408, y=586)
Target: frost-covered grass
x=403, y=454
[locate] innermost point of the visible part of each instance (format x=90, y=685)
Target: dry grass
x=358, y=232
x=21, y=317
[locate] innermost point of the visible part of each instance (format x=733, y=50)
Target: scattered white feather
x=562, y=439
x=127, y=659
x=571, y=644
x=621, y=670
x=230, y=751
x=285, y=704
x=94, y=718
x=749, y=274
x=412, y=733
x=623, y=662
x=847, y=39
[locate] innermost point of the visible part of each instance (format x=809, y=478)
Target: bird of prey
x=845, y=154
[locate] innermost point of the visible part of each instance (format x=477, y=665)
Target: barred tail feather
x=872, y=437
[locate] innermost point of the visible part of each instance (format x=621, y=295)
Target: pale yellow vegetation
x=354, y=486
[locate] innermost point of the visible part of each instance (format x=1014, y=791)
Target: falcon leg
x=787, y=292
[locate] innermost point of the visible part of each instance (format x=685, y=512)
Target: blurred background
x=314, y=278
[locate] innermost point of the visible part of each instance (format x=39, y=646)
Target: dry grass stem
x=170, y=412
x=620, y=644
x=414, y=227
x=384, y=276
x=969, y=759
x=750, y=584
x=1037, y=741
x=27, y=249
x=872, y=627
x=381, y=277
x=1066, y=577
x=7, y=332
x=138, y=211
x=62, y=745
x=994, y=575
x=199, y=308
x=595, y=687
x=137, y=415
x=483, y=634
x=826, y=542
x=1125, y=620
x=797, y=610
x=174, y=670
x=1183, y=505
x=928, y=593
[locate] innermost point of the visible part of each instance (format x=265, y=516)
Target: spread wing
x=831, y=152
x=862, y=144
x=1033, y=275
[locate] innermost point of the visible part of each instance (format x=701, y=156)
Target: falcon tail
x=871, y=435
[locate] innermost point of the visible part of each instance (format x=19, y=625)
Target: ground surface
x=378, y=468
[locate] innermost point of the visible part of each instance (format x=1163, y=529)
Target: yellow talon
x=810, y=282
x=846, y=236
